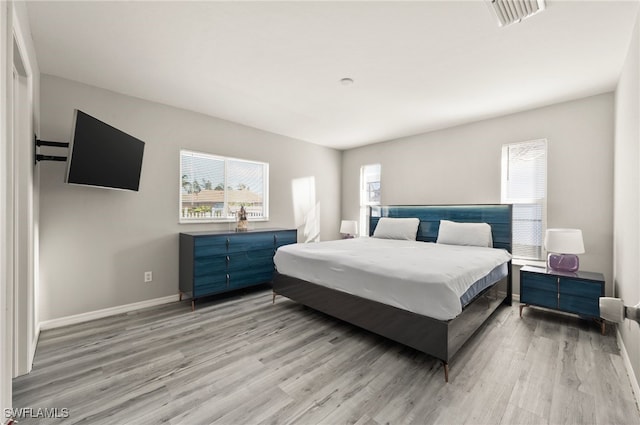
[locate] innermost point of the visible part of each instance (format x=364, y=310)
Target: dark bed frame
x=438, y=338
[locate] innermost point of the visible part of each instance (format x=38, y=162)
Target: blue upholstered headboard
x=498, y=216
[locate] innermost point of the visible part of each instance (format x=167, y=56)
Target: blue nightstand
x=578, y=293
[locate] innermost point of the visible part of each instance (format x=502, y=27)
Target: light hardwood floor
x=242, y=360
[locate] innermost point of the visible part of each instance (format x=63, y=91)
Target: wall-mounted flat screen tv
x=103, y=156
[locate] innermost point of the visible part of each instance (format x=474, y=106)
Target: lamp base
x=563, y=262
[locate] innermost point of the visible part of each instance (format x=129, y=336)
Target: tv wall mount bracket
x=38, y=157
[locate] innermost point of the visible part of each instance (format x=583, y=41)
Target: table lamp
x=562, y=246
x=349, y=228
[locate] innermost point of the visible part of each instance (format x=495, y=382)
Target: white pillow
x=397, y=228
x=472, y=234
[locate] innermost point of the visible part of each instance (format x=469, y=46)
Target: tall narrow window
x=213, y=188
x=524, y=184
x=369, y=193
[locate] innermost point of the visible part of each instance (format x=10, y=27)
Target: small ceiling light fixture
x=346, y=81
x=512, y=11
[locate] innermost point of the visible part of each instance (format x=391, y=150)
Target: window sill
x=219, y=221
x=522, y=262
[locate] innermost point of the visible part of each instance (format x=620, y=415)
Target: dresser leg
x=193, y=305
x=274, y=298
x=445, y=365
x=180, y=296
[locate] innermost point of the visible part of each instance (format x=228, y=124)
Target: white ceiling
x=417, y=66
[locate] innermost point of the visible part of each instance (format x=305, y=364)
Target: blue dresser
x=216, y=262
x=578, y=293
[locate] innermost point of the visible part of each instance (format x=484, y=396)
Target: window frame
x=225, y=159
x=529, y=201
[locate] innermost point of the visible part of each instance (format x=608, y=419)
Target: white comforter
x=425, y=278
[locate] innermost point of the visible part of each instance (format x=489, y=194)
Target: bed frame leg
x=445, y=365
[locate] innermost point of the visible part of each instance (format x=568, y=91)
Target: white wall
x=627, y=196
x=463, y=164
x=95, y=244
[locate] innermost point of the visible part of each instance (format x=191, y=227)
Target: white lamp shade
x=349, y=227
x=564, y=241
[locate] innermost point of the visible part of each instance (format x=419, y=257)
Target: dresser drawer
x=251, y=260
x=205, y=252
x=208, y=265
x=250, y=242
x=208, y=285
x=250, y=277
x=210, y=244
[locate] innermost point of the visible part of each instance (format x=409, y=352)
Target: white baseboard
x=106, y=312
x=627, y=364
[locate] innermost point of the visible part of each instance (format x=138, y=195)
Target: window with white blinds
x=524, y=184
x=213, y=188
x=369, y=193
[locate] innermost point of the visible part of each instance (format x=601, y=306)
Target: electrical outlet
x=148, y=276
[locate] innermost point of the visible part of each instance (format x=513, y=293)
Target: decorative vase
x=563, y=262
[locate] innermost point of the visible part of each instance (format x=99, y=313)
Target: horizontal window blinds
x=216, y=188
x=524, y=184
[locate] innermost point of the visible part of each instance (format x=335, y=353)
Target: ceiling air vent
x=512, y=11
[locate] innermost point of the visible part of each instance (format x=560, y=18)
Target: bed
x=436, y=331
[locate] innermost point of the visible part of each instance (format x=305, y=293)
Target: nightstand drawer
x=540, y=297
x=579, y=305
x=539, y=281
x=581, y=288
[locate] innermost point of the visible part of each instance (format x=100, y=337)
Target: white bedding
x=425, y=278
